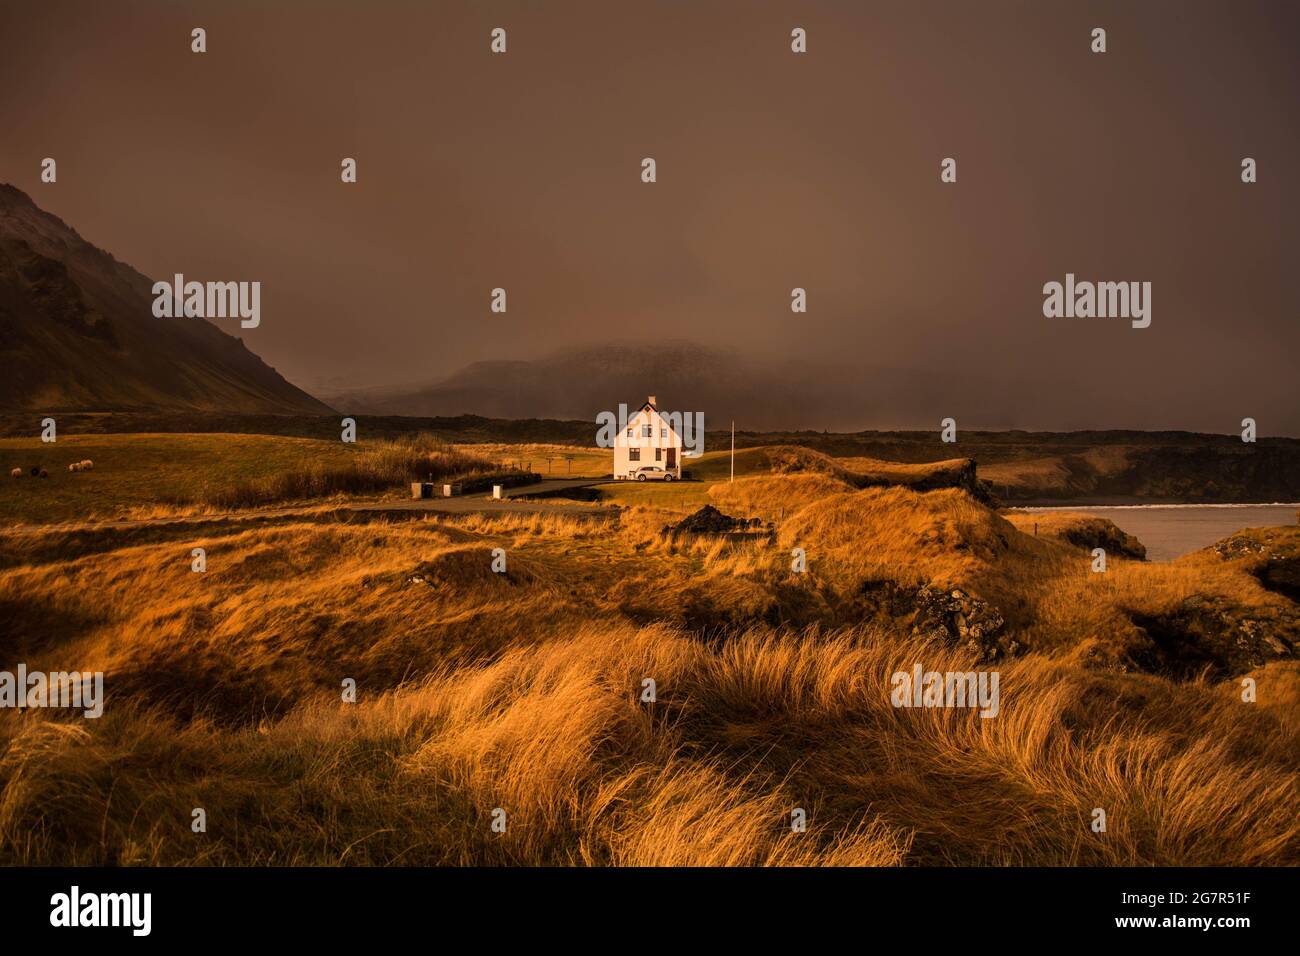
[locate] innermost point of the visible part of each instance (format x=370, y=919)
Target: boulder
x=950, y=615
x=709, y=520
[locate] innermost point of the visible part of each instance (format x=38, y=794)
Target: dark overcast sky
x=775, y=171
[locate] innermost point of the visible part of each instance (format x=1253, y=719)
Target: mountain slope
x=77, y=332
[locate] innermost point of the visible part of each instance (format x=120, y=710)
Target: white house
x=647, y=439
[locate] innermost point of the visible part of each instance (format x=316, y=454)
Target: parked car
x=653, y=473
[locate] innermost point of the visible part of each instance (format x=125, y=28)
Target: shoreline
x=1048, y=504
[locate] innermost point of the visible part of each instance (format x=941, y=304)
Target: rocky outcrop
x=1282, y=576
x=1227, y=632
x=1089, y=532
x=1275, y=557
x=1208, y=635
x=709, y=520
x=949, y=615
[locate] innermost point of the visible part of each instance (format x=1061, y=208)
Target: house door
x=672, y=458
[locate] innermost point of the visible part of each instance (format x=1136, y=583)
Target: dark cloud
x=775, y=171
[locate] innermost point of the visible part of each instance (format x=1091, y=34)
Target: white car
x=653, y=473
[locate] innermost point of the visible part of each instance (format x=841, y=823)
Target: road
x=463, y=504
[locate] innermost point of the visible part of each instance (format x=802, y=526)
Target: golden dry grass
x=556, y=736
x=520, y=691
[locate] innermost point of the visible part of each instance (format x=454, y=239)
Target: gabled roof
x=663, y=422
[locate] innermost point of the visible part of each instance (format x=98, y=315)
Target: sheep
x=35, y=471
x=44, y=473
x=16, y=473
x=87, y=465
x=75, y=466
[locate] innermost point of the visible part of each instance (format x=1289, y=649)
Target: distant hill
x=686, y=377
x=77, y=332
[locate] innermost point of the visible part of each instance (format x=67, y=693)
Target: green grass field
x=136, y=474
x=705, y=472
x=566, y=461
x=673, y=496
x=162, y=470
x=716, y=465
x=139, y=471
x=549, y=461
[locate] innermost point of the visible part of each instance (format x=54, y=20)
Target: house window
x=663, y=433
x=646, y=431
x=659, y=454
x=634, y=454
x=629, y=433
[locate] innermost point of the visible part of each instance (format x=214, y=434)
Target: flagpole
x=733, y=449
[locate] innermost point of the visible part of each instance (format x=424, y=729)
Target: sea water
x=1170, y=531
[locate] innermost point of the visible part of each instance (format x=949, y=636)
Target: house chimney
x=652, y=401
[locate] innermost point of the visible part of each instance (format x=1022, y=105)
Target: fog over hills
x=687, y=377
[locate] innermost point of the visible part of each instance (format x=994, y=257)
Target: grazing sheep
x=35, y=471
x=16, y=473
x=87, y=465
x=44, y=473
x=75, y=466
